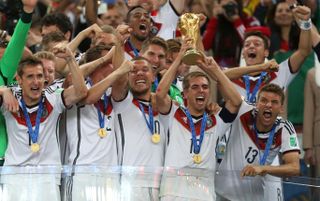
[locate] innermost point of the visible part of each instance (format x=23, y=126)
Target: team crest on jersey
x=181, y=117
x=185, y=119
x=209, y=123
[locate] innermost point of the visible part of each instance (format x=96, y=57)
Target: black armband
x=227, y=116
x=26, y=17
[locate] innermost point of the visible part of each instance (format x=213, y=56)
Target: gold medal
x=155, y=138
x=197, y=159
x=102, y=132
x=35, y=147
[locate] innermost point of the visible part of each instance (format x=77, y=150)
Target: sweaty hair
x=258, y=34
x=95, y=52
x=189, y=76
x=53, y=37
x=174, y=45
x=273, y=88
x=140, y=58
x=108, y=29
x=29, y=61
x=45, y=55
x=154, y=41
x=58, y=19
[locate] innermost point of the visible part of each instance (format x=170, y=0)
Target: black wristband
x=26, y=17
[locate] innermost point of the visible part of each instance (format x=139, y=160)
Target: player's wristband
x=305, y=24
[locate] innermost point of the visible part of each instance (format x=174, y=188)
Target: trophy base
x=191, y=56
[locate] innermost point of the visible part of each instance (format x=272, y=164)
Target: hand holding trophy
x=189, y=25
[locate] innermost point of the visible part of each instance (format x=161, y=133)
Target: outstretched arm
x=291, y=167
x=232, y=97
x=13, y=53
x=235, y=73
x=302, y=15
x=95, y=93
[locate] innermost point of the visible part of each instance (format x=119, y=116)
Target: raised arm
x=232, y=97
x=235, y=73
x=88, y=68
x=178, y=5
x=162, y=98
x=91, y=11
x=95, y=93
x=120, y=87
x=302, y=15
x=90, y=32
x=13, y=53
x=78, y=90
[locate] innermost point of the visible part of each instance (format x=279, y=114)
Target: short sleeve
x=289, y=138
x=56, y=99
x=121, y=106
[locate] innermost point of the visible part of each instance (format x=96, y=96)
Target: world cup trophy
x=189, y=25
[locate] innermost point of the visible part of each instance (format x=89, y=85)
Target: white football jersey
x=166, y=20
x=245, y=148
x=19, y=142
x=85, y=145
x=137, y=149
x=180, y=154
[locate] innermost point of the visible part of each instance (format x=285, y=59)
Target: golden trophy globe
x=189, y=25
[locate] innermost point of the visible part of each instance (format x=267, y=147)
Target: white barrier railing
x=100, y=183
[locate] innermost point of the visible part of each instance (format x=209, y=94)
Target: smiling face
x=269, y=106
x=140, y=22
x=283, y=15
x=254, y=50
x=141, y=78
x=32, y=83
x=197, y=94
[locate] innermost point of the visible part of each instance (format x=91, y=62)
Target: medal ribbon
x=263, y=159
x=101, y=115
x=251, y=97
x=135, y=51
x=196, y=146
x=150, y=122
x=33, y=133
x=156, y=83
